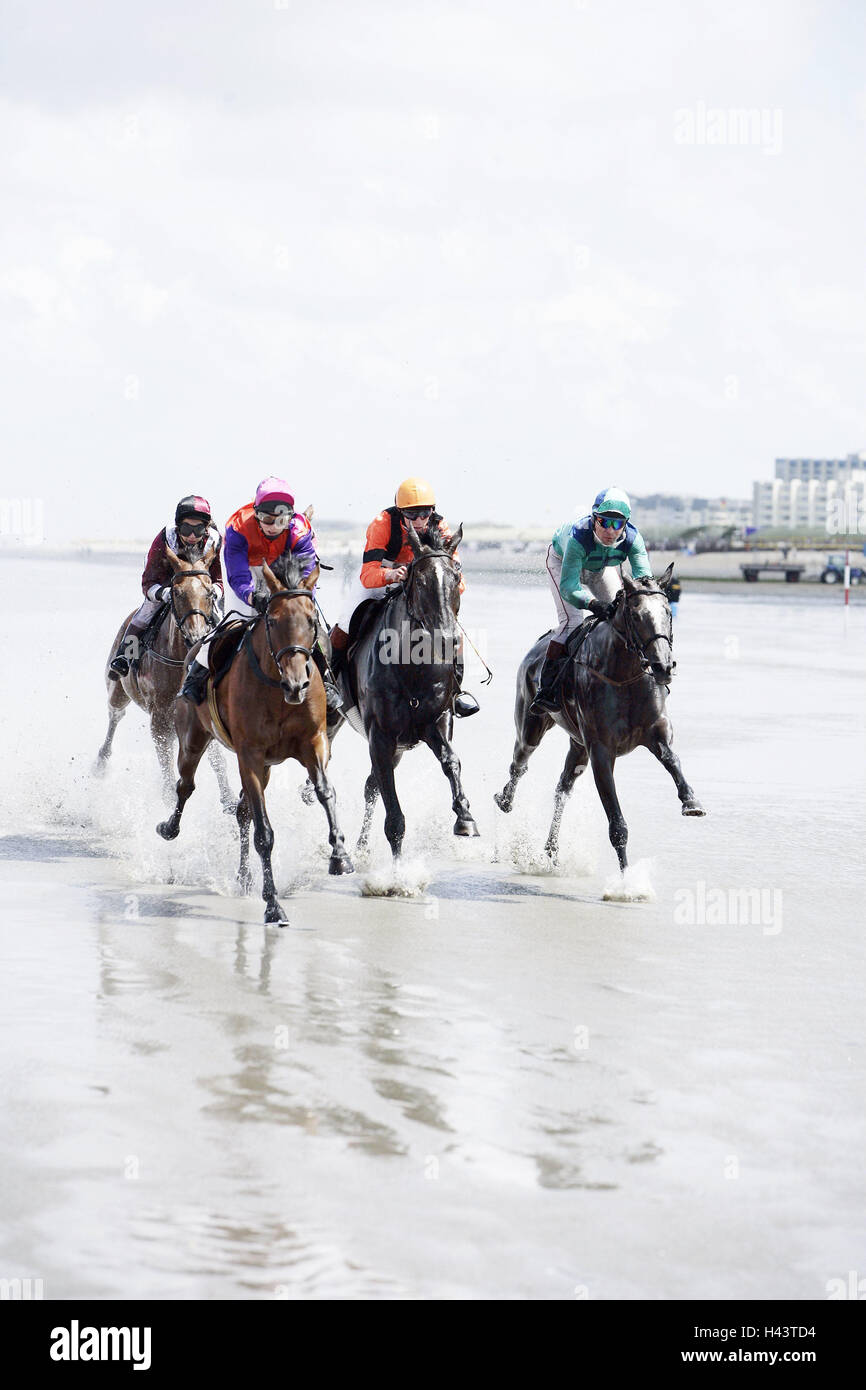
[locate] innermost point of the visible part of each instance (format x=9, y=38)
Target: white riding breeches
x=602, y=584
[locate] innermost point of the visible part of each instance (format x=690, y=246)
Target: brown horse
x=270, y=707
x=156, y=673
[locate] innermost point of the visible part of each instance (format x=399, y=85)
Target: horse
x=154, y=678
x=400, y=679
x=612, y=700
x=265, y=719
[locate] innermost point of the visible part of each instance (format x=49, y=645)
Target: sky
x=523, y=250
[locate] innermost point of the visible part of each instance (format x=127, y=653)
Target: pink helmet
x=272, y=495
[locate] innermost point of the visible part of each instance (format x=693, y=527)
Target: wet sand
x=500, y=1085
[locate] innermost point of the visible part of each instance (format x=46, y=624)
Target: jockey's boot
x=552, y=672
x=464, y=703
x=118, y=667
x=333, y=698
x=194, y=687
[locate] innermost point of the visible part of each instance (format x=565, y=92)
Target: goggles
x=192, y=528
x=416, y=513
x=274, y=520
x=612, y=523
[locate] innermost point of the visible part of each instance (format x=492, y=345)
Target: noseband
x=406, y=585
x=631, y=639
x=292, y=648
x=193, y=612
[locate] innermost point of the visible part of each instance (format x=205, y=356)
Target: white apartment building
x=834, y=505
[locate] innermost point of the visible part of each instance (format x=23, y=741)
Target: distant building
x=664, y=514
x=834, y=505
x=818, y=470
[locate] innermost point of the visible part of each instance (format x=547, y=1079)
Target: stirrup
x=333, y=698
x=194, y=687
x=465, y=704
x=548, y=700
x=118, y=667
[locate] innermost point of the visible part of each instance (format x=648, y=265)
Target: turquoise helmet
x=612, y=500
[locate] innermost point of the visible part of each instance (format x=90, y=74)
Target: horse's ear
x=309, y=512
x=173, y=559
x=414, y=541
x=310, y=580
x=455, y=540
x=209, y=553
x=664, y=579
x=270, y=578
x=628, y=583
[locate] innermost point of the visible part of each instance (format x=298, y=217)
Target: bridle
x=192, y=612
x=406, y=586
x=292, y=648
x=630, y=637
x=189, y=642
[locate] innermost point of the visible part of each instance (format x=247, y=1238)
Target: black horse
x=400, y=683
x=612, y=700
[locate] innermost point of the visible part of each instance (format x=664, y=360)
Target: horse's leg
x=254, y=779
x=245, y=878
x=383, y=756
x=371, y=792
x=192, y=741
x=575, y=764
x=218, y=763
x=602, y=771
x=529, y=735
x=334, y=725
x=436, y=738
x=161, y=732
x=658, y=743
x=117, y=703
x=315, y=763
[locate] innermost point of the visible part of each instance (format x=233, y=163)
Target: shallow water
x=491, y=1083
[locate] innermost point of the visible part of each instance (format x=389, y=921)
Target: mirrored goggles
x=613, y=523
x=274, y=521
x=417, y=513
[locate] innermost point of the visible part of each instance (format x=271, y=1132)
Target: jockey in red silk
x=257, y=534
x=193, y=531
x=387, y=556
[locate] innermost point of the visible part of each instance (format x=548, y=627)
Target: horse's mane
x=288, y=569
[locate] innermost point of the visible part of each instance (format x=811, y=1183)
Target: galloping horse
x=155, y=678
x=400, y=677
x=613, y=700
x=265, y=719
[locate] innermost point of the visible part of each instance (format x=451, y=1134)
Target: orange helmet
x=414, y=492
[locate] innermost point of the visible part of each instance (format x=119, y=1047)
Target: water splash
x=403, y=878
x=633, y=886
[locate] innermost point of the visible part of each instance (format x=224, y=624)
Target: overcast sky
x=519, y=248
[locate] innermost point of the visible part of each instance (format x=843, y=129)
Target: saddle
x=224, y=647
x=148, y=637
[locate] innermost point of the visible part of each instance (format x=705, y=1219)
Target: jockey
x=193, y=531
x=387, y=557
x=256, y=535
x=581, y=560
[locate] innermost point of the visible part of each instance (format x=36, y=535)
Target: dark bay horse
x=400, y=677
x=156, y=673
x=271, y=707
x=613, y=700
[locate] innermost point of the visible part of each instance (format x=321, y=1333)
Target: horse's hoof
x=341, y=864
x=693, y=808
x=168, y=830
x=502, y=801
x=466, y=826
x=308, y=793
x=100, y=767
x=275, y=915
x=552, y=855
